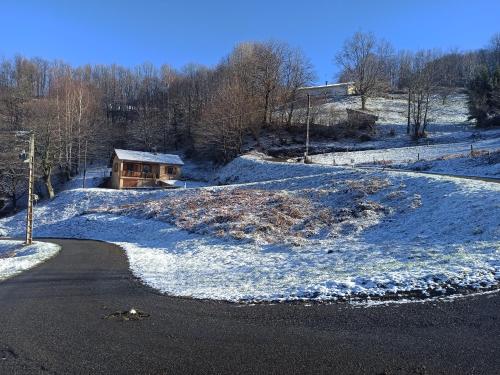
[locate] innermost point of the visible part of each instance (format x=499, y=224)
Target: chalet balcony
x=136, y=174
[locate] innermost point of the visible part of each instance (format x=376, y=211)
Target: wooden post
x=29, y=211
x=307, y=127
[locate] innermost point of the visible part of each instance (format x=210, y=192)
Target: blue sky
x=179, y=32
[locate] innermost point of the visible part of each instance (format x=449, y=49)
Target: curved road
x=52, y=323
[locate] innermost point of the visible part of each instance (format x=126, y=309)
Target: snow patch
x=15, y=257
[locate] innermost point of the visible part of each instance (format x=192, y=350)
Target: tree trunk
x=425, y=113
x=67, y=173
x=409, y=112
x=46, y=173
x=416, y=132
x=290, y=115
x=47, y=180
x=14, y=201
x=363, y=102
x=266, y=108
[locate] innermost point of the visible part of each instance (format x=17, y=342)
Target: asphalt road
x=52, y=322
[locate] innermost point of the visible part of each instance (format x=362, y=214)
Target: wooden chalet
x=137, y=169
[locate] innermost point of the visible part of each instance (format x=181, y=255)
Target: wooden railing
x=138, y=174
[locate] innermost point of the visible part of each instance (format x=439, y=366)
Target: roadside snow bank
x=412, y=235
x=16, y=258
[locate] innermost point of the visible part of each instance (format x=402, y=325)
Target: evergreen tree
x=484, y=97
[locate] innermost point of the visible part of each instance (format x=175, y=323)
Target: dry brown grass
x=251, y=214
x=474, y=154
x=368, y=186
x=264, y=216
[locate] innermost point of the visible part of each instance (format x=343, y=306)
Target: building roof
x=148, y=157
x=327, y=86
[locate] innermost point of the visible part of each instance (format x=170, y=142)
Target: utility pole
x=306, y=154
x=31, y=180
x=84, y=164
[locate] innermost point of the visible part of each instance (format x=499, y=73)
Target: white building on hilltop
x=330, y=90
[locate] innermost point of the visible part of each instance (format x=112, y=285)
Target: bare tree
x=297, y=72
x=422, y=84
x=405, y=72
x=42, y=120
x=363, y=59
x=13, y=172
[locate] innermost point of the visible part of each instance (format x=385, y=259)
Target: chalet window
x=115, y=167
x=170, y=170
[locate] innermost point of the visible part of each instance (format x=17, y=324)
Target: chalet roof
x=148, y=157
x=327, y=86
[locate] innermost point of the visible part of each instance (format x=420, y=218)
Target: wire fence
x=423, y=154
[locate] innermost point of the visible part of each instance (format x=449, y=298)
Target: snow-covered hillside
x=330, y=233
x=392, y=109
x=254, y=168
x=448, y=123
x=480, y=163
x=406, y=154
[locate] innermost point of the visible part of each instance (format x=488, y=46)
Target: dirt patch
x=7, y=353
x=129, y=315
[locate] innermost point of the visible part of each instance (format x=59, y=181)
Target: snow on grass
x=253, y=168
x=94, y=177
x=405, y=154
x=480, y=163
x=392, y=109
x=383, y=233
x=16, y=258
